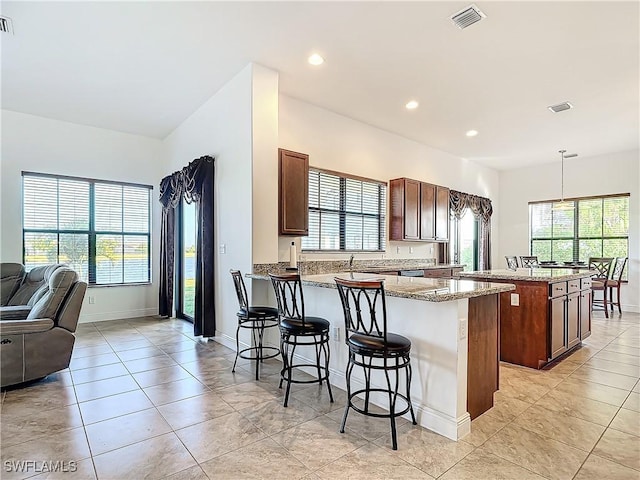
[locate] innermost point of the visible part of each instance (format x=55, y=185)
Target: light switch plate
x=515, y=299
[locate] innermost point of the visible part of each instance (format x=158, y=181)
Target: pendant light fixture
x=562, y=205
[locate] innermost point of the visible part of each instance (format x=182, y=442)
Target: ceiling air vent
x=561, y=107
x=467, y=16
x=6, y=25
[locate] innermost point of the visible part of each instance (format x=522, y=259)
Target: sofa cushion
x=11, y=275
x=34, y=285
x=60, y=282
x=14, y=312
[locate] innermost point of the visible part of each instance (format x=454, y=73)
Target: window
x=99, y=228
x=345, y=213
x=577, y=229
x=464, y=247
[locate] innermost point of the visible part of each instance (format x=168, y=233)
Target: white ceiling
x=143, y=67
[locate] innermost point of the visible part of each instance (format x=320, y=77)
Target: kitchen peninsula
x=453, y=327
x=547, y=316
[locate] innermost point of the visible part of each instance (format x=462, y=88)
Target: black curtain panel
x=194, y=183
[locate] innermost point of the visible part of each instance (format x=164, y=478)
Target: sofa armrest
x=19, y=327
x=14, y=312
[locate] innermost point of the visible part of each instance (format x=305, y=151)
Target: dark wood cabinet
x=556, y=309
x=293, y=186
x=564, y=312
x=419, y=211
x=585, y=314
x=442, y=214
x=573, y=320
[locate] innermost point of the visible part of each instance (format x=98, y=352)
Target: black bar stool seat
x=256, y=319
x=308, y=326
x=374, y=346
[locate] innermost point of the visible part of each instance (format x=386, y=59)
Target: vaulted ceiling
x=143, y=67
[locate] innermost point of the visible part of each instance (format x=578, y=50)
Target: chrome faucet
x=351, y=262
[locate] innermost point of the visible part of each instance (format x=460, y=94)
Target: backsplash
x=313, y=267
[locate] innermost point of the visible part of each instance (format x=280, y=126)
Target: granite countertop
x=391, y=268
x=426, y=289
x=548, y=275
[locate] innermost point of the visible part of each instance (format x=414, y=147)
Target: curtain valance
x=186, y=183
x=480, y=206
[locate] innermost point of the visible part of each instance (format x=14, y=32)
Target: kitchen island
x=547, y=316
x=453, y=327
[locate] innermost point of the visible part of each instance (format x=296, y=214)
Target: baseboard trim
x=103, y=317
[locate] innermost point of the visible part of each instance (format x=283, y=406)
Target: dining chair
x=512, y=262
x=615, y=281
x=529, y=261
x=601, y=267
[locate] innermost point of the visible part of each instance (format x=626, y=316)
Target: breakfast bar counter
x=453, y=326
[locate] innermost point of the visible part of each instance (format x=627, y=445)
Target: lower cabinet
x=569, y=316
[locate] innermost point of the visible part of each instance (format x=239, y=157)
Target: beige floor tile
x=317, y=397
x=484, y=427
x=249, y=394
x=614, y=367
x=138, y=353
x=64, y=446
x=194, y=410
x=191, y=473
x=635, y=351
x=428, y=451
x=636, y=389
x=604, y=378
x=264, y=459
x=563, y=428
x=627, y=421
x=271, y=417
x=537, y=453
x=522, y=388
x=181, y=346
x=149, y=363
x=174, y=391
x=619, y=447
x=125, y=430
x=218, y=436
x=80, y=470
x=130, y=345
x=632, y=402
x=156, y=457
x=369, y=428
x=26, y=401
x=371, y=462
x=114, y=406
x=578, y=406
x=593, y=391
x=93, y=361
x=483, y=465
x=105, y=388
x=21, y=428
x=222, y=379
x=618, y=357
x=151, y=378
x=98, y=373
x=318, y=442
x=90, y=351
x=598, y=468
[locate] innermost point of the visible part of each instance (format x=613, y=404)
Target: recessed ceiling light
x=412, y=105
x=471, y=133
x=315, y=59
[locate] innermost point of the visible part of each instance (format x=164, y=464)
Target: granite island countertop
x=388, y=268
x=418, y=288
x=547, y=275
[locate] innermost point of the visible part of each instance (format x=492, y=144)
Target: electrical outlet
x=410, y=249
x=463, y=328
x=222, y=249
x=335, y=333
x=92, y=300
x=515, y=299
x=397, y=249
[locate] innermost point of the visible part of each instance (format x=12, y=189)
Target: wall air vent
x=6, y=25
x=561, y=107
x=467, y=16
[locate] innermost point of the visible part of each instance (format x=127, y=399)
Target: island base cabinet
x=573, y=320
x=585, y=314
x=558, y=344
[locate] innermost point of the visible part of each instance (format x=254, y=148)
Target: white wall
x=339, y=143
x=584, y=176
x=222, y=128
x=39, y=144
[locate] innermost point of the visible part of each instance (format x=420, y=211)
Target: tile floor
x=144, y=399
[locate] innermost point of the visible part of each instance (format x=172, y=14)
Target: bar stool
x=615, y=281
x=512, y=262
x=529, y=261
x=297, y=329
x=365, y=318
x=601, y=267
x=256, y=319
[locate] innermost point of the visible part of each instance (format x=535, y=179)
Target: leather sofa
x=41, y=343
x=30, y=289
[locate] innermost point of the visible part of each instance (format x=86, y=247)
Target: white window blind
x=345, y=213
x=99, y=228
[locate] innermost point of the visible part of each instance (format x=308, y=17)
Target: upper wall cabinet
x=419, y=211
x=293, y=186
